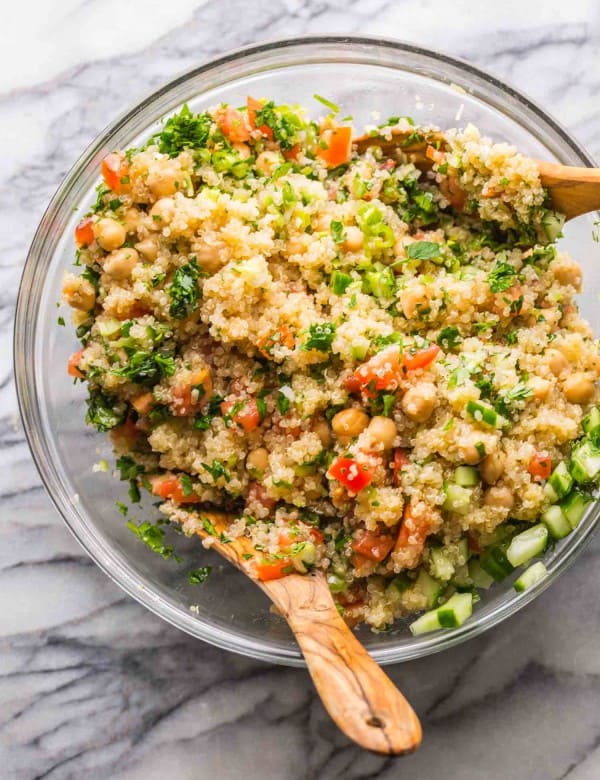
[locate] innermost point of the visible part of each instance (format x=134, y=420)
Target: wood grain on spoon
x=359, y=696
x=572, y=191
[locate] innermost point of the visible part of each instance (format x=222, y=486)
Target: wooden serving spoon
x=359, y=696
x=572, y=191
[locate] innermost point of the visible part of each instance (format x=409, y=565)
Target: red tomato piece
x=291, y=154
x=248, y=416
x=413, y=533
x=540, y=466
x=72, y=369
x=233, y=124
x=253, y=107
x=84, y=232
x=381, y=372
x=399, y=460
x=351, y=474
x=115, y=171
x=335, y=146
x=273, y=570
x=168, y=486
x=422, y=358
x=375, y=547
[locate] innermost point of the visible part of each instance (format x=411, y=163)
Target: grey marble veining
x=92, y=685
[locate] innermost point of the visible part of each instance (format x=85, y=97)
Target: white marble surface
x=91, y=685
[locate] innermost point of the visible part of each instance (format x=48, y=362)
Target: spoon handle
x=359, y=696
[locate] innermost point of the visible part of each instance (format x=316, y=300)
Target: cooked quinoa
x=377, y=371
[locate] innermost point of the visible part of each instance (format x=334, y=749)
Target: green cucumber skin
x=530, y=576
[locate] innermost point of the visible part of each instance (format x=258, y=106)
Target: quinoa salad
x=375, y=369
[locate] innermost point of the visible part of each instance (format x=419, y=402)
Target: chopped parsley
x=147, y=368
x=284, y=123
x=184, y=130
x=502, y=277
x=198, y=576
x=104, y=411
x=153, y=536
x=216, y=469
x=335, y=109
x=423, y=250
x=320, y=337
x=282, y=402
x=337, y=231
x=449, y=338
x=184, y=290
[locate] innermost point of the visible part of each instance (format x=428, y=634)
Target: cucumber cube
x=556, y=522
x=456, y=610
x=530, y=576
x=527, y=545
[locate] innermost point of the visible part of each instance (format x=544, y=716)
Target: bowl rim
x=104, y=557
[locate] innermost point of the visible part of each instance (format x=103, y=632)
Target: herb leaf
x=182, y=131
x=184, y=290
x=423, y=250
x=321, y=335
x=449, y=338
x=198, y=576
x=502, y=277
x=153, y=536
x=104, y=411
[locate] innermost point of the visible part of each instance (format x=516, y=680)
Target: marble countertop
x=82, y=693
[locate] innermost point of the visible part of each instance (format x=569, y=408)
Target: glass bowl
x=362, y=75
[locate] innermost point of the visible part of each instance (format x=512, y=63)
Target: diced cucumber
x=381, y=283
x=340, y=282
x=493, y=560
x=461, y=578
x=556, y=522
x=585, y=462
x=458, y=499
x=429, y=587
x=466, y=476
x=336, y=582
x=550, y=493
x=456, y=610
x=463, y=550
x=526, y=545
x=109, y=327
x=429, y=621
x=359, y=351
x=440, y=565
x=479, y=577
x=560, y=480
x=400, y=583
x=553, y=224
x=591, y=422
x=574, y=506
x=530, y=576
x=484, y=413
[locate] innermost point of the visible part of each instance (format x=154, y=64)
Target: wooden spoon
x=359, y=696
x=572, y=191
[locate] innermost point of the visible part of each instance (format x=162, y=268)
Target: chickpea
x=383, y=430
x=557, y=362
x=579, y=388
x=418, y=402
x=79, y=293
x=162, y=213
x=499, y=497
x=209, y=256
x=120, y=263
x=148, y=248
x=321, y=428
x=257, y=459
x=322, y=223
x=165, y=180
x=567, y=272
x=109, y=233
x=297, y=245
x=132, y=217
x=349, y=423
x=414, y=300
x=469, y=452
x=492, y=466
x=539, y=387
x=243, y=150
x=266, y=162
x=354, y=239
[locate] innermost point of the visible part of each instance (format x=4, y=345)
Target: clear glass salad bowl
x=363, y=76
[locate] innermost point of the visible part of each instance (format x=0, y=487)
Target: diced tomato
x=143, y=403
x=115, y=171
x=375, y=547
x=168, y=486
x=233, y=124
x=540, y=466
x=473, y=543
x=422, y=358
x=435, y=155
x=273, y=570
x=72, y=369
x=388, y=165
x=381, y=372
x=411, y=538
x=335, y=146
x=257, y=494
x=248, y=415
x=351, y=474
x=84, y=232
x=284, y=337
x=291, y=154
x=316, y=535
x=364, y=564
x=253, y=107
x=399, y=460
x=192, y=392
